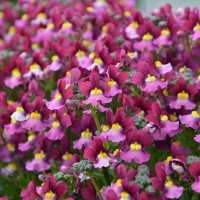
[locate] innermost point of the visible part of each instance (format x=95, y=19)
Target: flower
x=194, y=170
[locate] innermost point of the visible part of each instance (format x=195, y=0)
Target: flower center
x=183, y=95
x=67, y=156
x=16, y=73
x=116, y=127
x=11, y=147
x=150, y=78
x=111, y=83
x=35, y=46
x=127, y=13
x=54, y=57
x=66, y=25
x=119, y=182
x=135, y=146
x=50, y=25
x=173, y=117
x=169, y=158
x=182, y=69
x=89, y=9
x=80, y=53
x=168, y=182
x=165, y=32
x=105, y=28
x=158, y=64
x=12, y=166
x=124, y=196
x=34, y=67
x=40, y=155
x=102, y=155
x=197, y=27
x=35, y=115
x=50, y=195
x=164, y=117
x=86, y=134
x=41, y=16
x=12, y=30
x=134, y=25
x=147, y=37
x=96, y=91
x=56, y=124
x=13, y=120
x=116, y=151
x=68, y=73
x=31, y=137
x=195, y=114
x=105, y=127
x=57, y=96
x=97, y=61
x=67, y=86
x=19, y=109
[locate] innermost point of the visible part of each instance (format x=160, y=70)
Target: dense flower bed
x=98, y=101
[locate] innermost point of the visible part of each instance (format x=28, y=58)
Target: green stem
x=94, y=114
x=96, y=188
x=114, y=175
x=2, y=138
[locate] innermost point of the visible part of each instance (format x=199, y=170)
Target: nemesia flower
x=149, y=81
x=55, y=63
x=117, y=126
x=41, y=18
x=191, y=120
x=134, y=148
x=97, y=154
x=161, y=122
x=86, y=128
x=165, y=184
x=131, y=30
x=30, y=192
x=95, y=90
x=15, y=79
x=51, y=189
x=195, y=173
x=184, y=94
x=38, y=163
x=96, y=95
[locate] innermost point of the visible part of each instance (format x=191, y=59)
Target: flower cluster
x=98, y=101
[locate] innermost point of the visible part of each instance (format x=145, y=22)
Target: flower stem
x=2, y=138
x=96, y=188
x=94, y=114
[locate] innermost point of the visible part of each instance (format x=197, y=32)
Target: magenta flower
x=15, y=79
x=194, y=170
x=134, y=148
x=128, y=191
x=51, y=189
x=117, y=127
x=117, y=79
x=148, y=78
x=191, y=120
x=165, y=184
x=97, y=154
x=86, y=128
x=58, y=125
x=183, y=95
x=159, y=119
x=55, y=63
x=39, y=163
x=29, y=193
x=95, y=90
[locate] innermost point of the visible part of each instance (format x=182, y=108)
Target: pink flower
x=134, y=148
x=98, y=154
x=194, y=170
